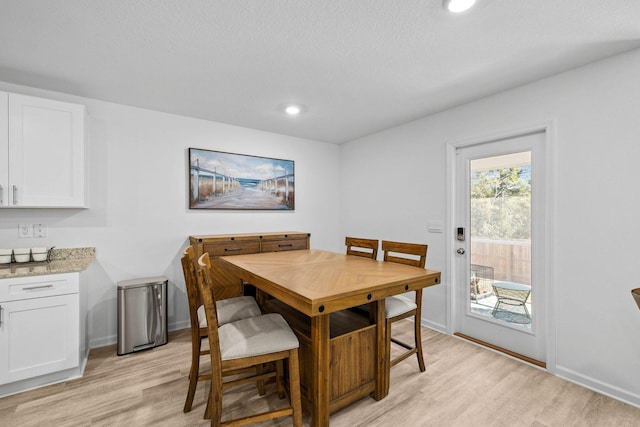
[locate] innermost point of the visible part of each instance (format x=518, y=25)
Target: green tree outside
x=501, y=204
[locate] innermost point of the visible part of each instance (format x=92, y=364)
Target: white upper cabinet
x=42, y=160
x=4, y=149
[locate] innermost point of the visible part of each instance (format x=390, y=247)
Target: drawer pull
x=286, y=246
x=37, y=288
x=232, y=249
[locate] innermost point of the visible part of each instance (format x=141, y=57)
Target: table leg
x=383, y=366
x=320, y=370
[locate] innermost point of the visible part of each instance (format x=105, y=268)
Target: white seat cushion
x=397, y=305
x=394, y=306
x=255, y=336
x=231, y=309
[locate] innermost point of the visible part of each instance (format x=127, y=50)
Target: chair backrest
x=636, y=295
x=207, y=297
x=354, y=246
x=417, y=253
x=191, y=282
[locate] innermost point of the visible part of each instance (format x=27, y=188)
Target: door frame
x=550, y=218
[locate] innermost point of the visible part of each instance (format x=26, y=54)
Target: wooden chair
x=355, y=246
x=231, y=309
x=400, y=307
x=636, y=295
x=244, y=344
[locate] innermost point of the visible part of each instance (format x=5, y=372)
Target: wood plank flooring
x=464, y=385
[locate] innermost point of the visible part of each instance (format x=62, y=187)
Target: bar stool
x=229, y=310
x=248, y=343
x=399, y=307
x=355, y=246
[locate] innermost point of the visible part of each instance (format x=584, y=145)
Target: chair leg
x=294, y=387
x=280, y=379
x=207, y=410
x=418, y=335
x=260, y=383
x=214, y=403
x=388, y=341
x=193, y=375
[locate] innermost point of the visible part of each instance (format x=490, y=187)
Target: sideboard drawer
x=284, y=245
x=231, y=248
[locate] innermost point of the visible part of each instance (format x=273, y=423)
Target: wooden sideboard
x=218, y=245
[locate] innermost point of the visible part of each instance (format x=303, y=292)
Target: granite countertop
x=63, y=260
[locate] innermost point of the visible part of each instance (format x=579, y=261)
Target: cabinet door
x=46, y=153
x=38, y=336
x=4, y=148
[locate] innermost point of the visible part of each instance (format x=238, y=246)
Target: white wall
x=138, y=218
x=395, y=182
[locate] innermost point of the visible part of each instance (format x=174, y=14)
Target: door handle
x=460, y=251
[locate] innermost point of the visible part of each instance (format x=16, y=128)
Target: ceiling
x=358, y=66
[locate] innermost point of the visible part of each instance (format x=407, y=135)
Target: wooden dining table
x=320, y=286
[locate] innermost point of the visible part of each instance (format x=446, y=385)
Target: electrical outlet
x=25, y=230
x=39, y=230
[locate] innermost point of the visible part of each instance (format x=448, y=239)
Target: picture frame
x=230, y=181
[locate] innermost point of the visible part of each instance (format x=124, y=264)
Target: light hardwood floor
x=464, y=385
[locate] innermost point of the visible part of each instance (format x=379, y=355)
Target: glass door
x=500, y=223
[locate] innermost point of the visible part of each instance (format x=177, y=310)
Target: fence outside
x=510, y=260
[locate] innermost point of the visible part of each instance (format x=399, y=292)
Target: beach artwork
x=220, y=180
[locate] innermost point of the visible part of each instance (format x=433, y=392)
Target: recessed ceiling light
x=292, y=110
x=457, y=6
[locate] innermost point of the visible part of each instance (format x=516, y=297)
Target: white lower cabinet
x=40, y=326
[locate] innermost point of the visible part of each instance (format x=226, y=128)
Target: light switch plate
x=435, y=226
x=25, y=230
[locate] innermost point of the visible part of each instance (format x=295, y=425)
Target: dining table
x=317, y=291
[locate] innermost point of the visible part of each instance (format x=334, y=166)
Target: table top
x=318, y=282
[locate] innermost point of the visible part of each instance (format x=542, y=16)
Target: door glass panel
x=500, y=236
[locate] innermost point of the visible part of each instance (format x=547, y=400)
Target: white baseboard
x=113, y=339
x=179, y=325
x=572, y=376
x=435, y=326
x=103, y=341
x=598, y=386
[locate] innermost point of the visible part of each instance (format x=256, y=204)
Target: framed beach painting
x=219, y=180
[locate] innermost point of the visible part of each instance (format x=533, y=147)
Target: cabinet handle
x=35, y=288
x=1, y=322
x=15, y=194
x=1, y=194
